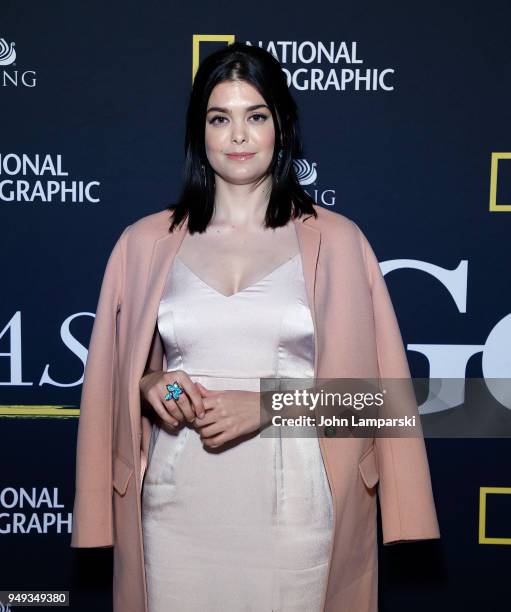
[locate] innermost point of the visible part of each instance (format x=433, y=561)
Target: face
x=238, y=121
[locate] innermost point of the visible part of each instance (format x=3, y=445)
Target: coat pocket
x=122, y=474
x=368, y=468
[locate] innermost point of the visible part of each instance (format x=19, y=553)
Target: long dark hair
x=239, y=61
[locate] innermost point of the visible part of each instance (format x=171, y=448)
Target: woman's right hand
x=153, y=388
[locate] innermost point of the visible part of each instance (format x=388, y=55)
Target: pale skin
x=234, y=252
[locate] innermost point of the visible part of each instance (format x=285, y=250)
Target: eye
x=213, y=120
x=262, y=116
x=258, y=118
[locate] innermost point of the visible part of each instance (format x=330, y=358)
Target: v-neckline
x=251, y=286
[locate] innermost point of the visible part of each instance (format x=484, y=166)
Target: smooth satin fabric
x=247, y=526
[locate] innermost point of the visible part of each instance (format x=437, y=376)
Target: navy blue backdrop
x=407, y=132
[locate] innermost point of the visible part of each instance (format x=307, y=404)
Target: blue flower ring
x=175, y=390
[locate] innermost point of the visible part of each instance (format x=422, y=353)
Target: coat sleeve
x=405, y=492
x=92, y=512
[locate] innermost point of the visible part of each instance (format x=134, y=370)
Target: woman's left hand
x=229, y=414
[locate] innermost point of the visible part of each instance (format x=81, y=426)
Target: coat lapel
x=309, y=238
x=164, y=251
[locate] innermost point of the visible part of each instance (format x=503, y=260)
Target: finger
x=216, y=441
x=210, y=414
x=182, y=402
x=197, y=401
x=212, y=430
x=160, y=408
x=173, y=409
x=202, y=388
x=193, y=394
x=207, y=392
x=208, y=419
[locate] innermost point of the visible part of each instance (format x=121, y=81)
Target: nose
x=238, y=132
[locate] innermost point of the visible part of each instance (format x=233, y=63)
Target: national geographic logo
x=496, y=159
x=10, y=77
x=42, y=179
x=313, y=65
x=484, y=493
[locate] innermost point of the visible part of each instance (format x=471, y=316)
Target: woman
x=234, y=310
x=253, y=280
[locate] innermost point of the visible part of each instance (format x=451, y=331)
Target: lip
x=240, y=156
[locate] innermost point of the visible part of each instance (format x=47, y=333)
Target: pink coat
x=357, y=336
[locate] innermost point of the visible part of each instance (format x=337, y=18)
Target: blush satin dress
x=247, y=526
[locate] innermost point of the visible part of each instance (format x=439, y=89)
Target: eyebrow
x=218, y=109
